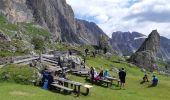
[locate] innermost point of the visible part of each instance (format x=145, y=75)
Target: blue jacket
x=106, y=73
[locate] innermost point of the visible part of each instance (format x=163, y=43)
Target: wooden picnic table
x=75, y=84
x=62, y=87
x=111, y=79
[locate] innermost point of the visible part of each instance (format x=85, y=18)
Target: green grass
x=29, y=29
x=6, y=27
x=22, y=74
x=9, y=54
x=32, y=30
x=134, y=90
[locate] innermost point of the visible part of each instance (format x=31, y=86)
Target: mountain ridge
x=54, y=15
x=136, y=42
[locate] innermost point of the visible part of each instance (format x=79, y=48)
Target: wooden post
x=71, y=85
x=87, y=91
x=75, y=88
x=111, y=83
x=78, y=92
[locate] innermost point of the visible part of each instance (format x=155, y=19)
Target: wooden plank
x=62, y=87
x=87, y=86
x=50, y=61
x=25, y=60
x=68, y=81
x=110, y=78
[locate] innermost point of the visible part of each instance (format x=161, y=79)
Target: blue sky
x=125, y=15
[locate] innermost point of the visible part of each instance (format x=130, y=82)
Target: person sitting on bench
x=95, y=73
x=99, y=76
x=50, y=80
x=145, y=78
x=154, y=80
x=106, y=73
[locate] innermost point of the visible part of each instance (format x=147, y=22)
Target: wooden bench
x=87, y=88
x=101, y=81
x=81, y=73
x=62, y=87
x=74, y=85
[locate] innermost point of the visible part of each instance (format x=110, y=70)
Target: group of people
x=95, y=76
x=154, y=79
x=103, y=74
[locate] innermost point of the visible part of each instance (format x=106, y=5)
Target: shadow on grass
x=152, y=85
x=97, y=83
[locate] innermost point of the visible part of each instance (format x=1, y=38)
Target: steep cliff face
x=126, y=43
x=54, y=15
x=15, y=11
x=152, y=43
x=165, y=49
x=57, y=16
x=88, y=32
x=145, y=56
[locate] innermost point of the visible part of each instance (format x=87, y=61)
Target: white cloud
x=126, y=15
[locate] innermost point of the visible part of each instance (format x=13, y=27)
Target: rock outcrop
x=57, y=16
x=145, y=56
x=15, y=11
x=3, y=37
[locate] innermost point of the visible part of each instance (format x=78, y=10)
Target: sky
x=125, y=15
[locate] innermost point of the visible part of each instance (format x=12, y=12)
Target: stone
x=15, y=11
x=4, y=37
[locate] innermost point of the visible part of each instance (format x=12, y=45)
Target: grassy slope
x=134, y=90
x=26, y=30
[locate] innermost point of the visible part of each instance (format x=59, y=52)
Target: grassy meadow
x=133, y=91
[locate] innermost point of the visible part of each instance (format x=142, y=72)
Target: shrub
x=38, y=43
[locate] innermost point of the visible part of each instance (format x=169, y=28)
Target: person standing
x=86, y=51
x=122, y=77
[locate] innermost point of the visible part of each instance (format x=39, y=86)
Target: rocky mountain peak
x=145, y=57
x=126, y=42
x=152, y=43
x=88, y=32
